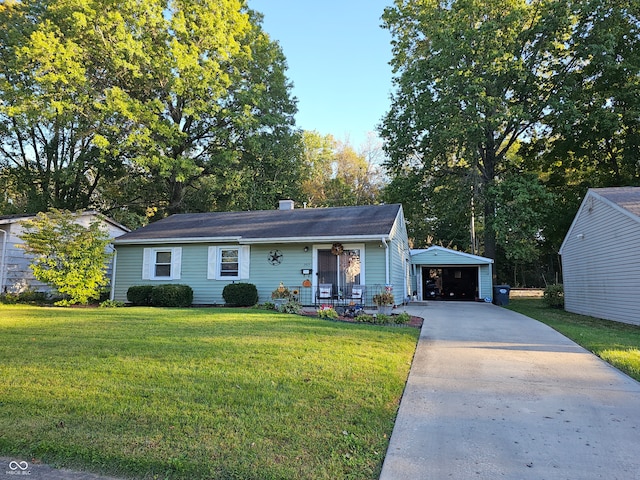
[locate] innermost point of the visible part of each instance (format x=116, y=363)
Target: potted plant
x=384, y=301
x=280, y=295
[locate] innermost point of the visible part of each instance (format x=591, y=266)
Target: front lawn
x=617, y=343
x=199, y=393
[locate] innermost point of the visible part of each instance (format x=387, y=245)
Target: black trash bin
x=501, y=294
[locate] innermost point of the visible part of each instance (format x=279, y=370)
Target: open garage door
x=450, y=283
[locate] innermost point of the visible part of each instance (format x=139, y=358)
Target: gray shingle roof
x=273, y=225
x=625, y=197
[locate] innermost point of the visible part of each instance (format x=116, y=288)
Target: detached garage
x=442, y=273
x=601, y=256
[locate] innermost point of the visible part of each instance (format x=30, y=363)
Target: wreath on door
x=337, y=249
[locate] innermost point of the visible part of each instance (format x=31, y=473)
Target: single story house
x=601, y=256
x=443, y=273
x=15, y=274
x=326, y=255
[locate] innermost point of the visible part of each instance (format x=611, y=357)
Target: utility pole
x=473, y=224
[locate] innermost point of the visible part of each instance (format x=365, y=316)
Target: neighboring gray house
x=325, y=254
x=451, y=275
x=601, y=256
x=15, y=274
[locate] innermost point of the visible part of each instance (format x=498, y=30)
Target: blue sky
x=338, y=59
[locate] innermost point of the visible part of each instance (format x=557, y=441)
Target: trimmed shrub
x=240, y=294
x=554, y=296
x=28, y=296
x=140, y=295
x=171, y=295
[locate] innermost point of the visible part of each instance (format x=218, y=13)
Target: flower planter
x=385, y=309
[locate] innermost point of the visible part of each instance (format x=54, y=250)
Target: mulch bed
x=415, y=322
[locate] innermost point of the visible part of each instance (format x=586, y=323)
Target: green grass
x=199, y=393
x=617, y=343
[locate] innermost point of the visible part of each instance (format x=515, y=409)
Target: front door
x=342, y=271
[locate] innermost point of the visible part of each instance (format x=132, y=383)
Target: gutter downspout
x=386, y=261
x=2, y=256
x=112, y=289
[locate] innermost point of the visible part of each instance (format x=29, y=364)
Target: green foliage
x=66, y=255
x=240, y=294
x=269, y=306
x=111, y=304
x=142, y=104
x=483, y=71
x=28, y=297
x=140, y=295
x=336, y=175
x=292, y=306
x=382, y=319
x=522, y=203
x=327, y=312
x=554, y=296
x=401, y=318
x=365, y=318
x=171, y=295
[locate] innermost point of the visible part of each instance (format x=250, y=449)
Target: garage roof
x=445, y=256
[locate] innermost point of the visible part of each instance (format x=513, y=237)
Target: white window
x=229, y=262
x=161, y=263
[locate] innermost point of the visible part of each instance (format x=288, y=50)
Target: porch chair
x=325, y=292
x=357, y=294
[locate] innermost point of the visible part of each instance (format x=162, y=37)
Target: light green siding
x=399, y=270
x=383, y=259
x=265, y=275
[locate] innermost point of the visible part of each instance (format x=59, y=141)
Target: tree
x=66, y=255
x=336, y=175
x=472, y=78
x=134, y=105
x=523, y=203
x=51, y=86
x=591, y=134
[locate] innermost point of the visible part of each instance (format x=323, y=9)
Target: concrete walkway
x=494, y=394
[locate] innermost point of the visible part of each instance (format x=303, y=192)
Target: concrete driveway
x=494, y=394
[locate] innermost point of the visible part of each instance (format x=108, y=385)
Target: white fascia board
x=252, y=241
x=436, y=248
x=155, y=241
x=329, y=240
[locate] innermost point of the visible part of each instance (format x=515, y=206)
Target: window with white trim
x=228, y=262
x=161, y=263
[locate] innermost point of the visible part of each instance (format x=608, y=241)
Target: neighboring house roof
x=627, y=198
x=17, y=217
x=624, y=199
x=264, y=226
x=417, y=255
